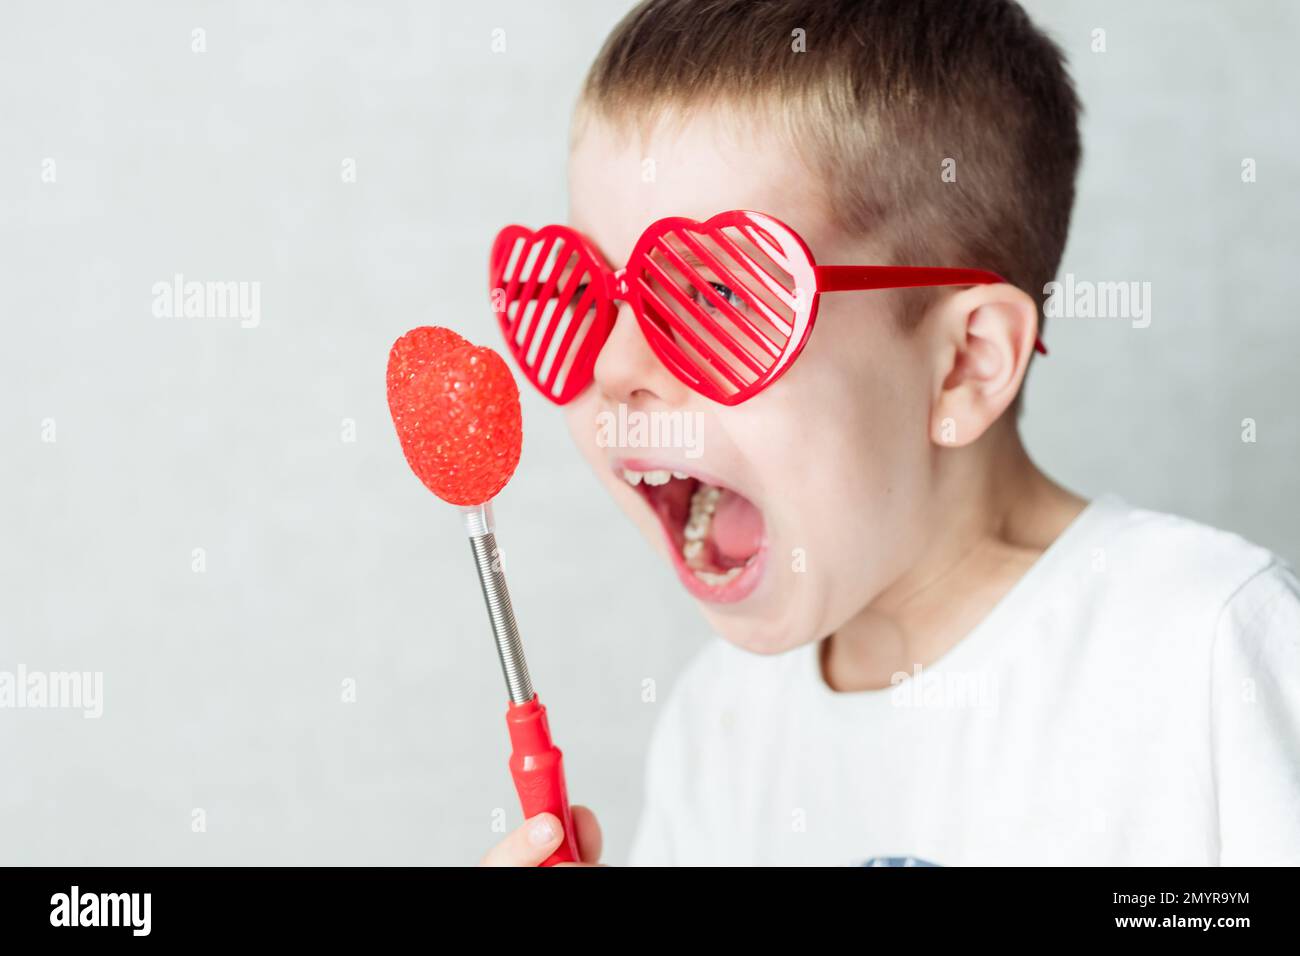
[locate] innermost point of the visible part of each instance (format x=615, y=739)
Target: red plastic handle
x=537, y=766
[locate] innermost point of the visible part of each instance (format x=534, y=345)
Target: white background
x=326, y=560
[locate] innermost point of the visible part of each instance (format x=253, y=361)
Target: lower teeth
x=714, y=580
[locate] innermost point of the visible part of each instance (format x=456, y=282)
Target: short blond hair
x=883, y=99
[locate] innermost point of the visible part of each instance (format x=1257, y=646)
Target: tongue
x=737, y=527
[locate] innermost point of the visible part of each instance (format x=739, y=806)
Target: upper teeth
x=659, y=477
x=703, y=503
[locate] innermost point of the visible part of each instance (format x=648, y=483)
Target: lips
x=715, y=534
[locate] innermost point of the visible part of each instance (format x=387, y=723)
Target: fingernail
x=541, y=832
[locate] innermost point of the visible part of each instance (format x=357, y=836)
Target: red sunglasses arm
x=864, y=278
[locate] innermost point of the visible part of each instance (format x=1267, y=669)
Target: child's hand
x=538, y=837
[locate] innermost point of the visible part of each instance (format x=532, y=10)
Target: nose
x=627, y=371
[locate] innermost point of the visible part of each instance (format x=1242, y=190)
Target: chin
x=774, y=620
x=756, y=637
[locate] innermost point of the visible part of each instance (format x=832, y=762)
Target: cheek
x=580, y=417
x=850, y=419
x=874, y=379
x=843, y=448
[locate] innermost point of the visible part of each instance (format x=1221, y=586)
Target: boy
x=930, y=652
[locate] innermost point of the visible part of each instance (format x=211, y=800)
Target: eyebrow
x=691, y=259
x=742, y=243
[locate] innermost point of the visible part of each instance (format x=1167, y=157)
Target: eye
x=724, y=292
x=579, y=291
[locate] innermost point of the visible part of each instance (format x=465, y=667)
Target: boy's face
x=827, y=472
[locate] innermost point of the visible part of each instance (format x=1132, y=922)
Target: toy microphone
x=456, y=409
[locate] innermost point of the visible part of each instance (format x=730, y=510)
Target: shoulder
x=1183, y=566
x=1185, y=603
x=1259, y=625
x=1255, y=656
x=1255, y=713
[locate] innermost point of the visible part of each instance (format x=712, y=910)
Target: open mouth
x=715, y=534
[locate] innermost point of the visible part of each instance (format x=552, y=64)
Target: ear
x=986, y=339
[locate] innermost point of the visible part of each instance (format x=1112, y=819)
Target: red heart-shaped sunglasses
x=726, y=304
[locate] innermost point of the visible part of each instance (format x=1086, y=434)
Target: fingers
x=540, y=836
x=530, y=844
x=590, y=839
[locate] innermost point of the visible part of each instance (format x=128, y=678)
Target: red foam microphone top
x=456, y=409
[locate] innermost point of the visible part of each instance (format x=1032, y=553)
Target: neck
x=994, y=514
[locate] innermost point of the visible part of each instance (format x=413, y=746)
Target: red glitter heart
x=456, y=410
x=414, y=350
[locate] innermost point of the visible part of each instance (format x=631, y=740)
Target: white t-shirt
x=1133, y=700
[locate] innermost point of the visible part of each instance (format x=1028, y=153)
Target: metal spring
x=502, y=615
